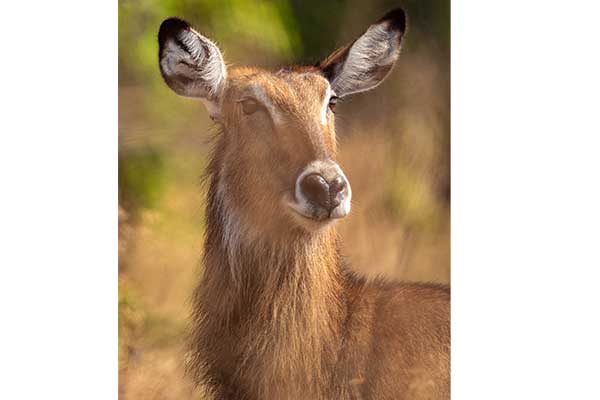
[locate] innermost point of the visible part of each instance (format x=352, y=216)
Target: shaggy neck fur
x=265, y=312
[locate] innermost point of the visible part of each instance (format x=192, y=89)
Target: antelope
x=277, y=314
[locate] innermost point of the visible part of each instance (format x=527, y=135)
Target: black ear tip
x=396, y=18
x=170, y=27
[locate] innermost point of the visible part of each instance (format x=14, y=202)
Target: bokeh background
x=394, y=148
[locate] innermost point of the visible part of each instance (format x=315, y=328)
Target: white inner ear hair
x=201, y=64
x=377, y=48
x=208, y=58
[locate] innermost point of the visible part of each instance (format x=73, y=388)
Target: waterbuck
x=277, y=315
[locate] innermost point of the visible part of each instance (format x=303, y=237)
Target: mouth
x=310, y=222
x=316, y=215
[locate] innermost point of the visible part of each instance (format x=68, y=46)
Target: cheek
x=255, y=168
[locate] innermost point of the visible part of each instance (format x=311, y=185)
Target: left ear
x=366, y=62
x=191, y=64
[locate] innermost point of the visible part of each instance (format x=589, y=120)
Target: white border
x=58, y=202
x=525, y=200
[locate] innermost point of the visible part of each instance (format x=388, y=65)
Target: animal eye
x=332, y=102
x=250, y=106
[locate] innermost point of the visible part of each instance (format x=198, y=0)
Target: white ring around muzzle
x=329, y=170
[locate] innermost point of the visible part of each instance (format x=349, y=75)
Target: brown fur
x=277, y=315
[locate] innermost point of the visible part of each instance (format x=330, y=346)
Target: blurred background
x=394, y=148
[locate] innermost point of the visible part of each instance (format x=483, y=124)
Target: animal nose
x=325, y=194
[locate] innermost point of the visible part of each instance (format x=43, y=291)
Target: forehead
x=280, y=86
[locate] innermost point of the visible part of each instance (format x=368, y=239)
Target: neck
x=299, y=270
x=282, y=301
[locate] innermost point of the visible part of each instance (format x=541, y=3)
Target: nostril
x=315, y=189
x=337, y=185
x=336, y=191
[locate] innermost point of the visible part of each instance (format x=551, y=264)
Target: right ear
x=191, y=64
x=367, y=61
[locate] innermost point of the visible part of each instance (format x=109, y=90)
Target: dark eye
x=250, y=106
x=332, y=102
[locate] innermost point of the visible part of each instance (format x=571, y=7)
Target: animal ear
x=364, y=63
x=191, y=64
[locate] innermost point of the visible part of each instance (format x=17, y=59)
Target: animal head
x=276, y=160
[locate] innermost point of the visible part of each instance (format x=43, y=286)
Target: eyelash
x=333, y=100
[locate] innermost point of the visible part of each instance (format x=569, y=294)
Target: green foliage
x=141, y=179
x=270, y=26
